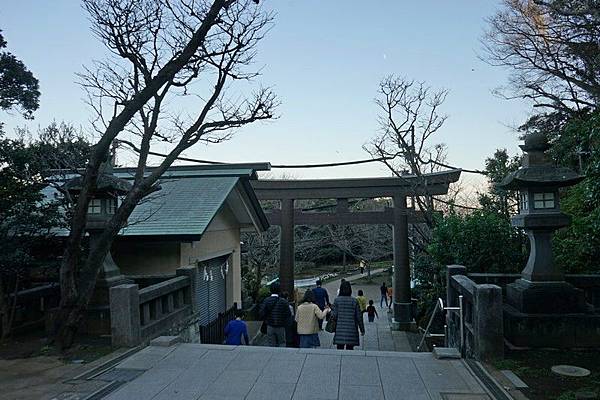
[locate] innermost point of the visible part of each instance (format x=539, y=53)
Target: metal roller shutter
x=202, y=296
x=212, y=294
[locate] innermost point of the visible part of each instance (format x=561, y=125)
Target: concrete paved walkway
x=215, y=372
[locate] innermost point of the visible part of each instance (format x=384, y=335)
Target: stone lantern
x=101, y=209
x=542, y=288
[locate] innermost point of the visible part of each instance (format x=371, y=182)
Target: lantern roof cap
x=105, y=183
x=540, y=176
x=535, y=142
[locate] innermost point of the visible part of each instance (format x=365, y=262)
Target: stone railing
x=32, y=305
x=140, y=314
x=589, y=283
x=483, y=333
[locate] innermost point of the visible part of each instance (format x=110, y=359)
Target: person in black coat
x=275, y=311
x=348, y=317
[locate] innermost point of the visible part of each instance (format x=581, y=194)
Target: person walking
x=346, y=313
x=308, y=316
x=390, y=295
x=383, y=291
x=361, y=265
x=371, y=312
x=290, y=327
x=235, y=330
x=362, y=301
x=321, y=299
x=275, y=312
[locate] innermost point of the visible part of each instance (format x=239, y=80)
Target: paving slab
x=514, y=379
x=272, y=391
x=217, y=373
x=438, y=376
x=352, y=392
x=281, y=371
x=399, y=376
x=165, y=341
x=146, y=358
x=233, y=383
x=359, y=371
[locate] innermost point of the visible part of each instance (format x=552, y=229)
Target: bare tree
x=168, y=82
x=551, y=48
x=261, y=257
x=409, y=118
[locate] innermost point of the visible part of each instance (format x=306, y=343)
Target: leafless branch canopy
x=409, y=117
x=551, y=48
x=178, y=74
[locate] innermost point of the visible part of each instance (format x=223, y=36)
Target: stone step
x=446, y=353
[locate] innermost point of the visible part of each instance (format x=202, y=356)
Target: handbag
x=331, y=325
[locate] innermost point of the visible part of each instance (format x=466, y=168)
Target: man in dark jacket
x=321, y=299
x=384, y=297
x=275, y=311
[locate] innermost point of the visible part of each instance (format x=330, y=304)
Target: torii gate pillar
x=402, y=305
x=286, y=246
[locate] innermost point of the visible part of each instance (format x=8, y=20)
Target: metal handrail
x=439, y=306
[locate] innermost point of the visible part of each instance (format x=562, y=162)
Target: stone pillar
x=540, y=265
x=125, y=315
x=401, y=279
x=286, y=246
x=191, y=271
x=488, y=323
x=451, y=295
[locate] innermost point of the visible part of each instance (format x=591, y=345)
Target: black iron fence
x=214, y=332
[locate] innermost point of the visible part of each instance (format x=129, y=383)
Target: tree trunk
x=73, y=306
x=8, y=308
x=4, y=310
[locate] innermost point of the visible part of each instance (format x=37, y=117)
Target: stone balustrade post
x=488, y=322
x=125, y=315
x=451, y=295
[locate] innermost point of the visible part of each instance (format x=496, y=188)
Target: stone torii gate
x=286, y=191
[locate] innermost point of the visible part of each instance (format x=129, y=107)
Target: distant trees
x=503, y=202
x=19, y=89
x=167, y=82
x=29, y=219
x=22, y=214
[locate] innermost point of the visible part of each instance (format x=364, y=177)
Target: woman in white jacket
x=307, y=318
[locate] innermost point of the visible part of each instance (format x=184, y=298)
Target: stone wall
x=137, y=315
x=555, y=330
x=482, y=333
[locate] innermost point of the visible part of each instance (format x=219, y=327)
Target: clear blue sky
x=324, y=60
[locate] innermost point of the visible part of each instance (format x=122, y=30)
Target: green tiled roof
x=189, y=199
x=184, y=206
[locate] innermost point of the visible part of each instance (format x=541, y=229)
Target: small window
x=111, y=206
x=95, y=206
x=524, y=202
x=543, y=200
